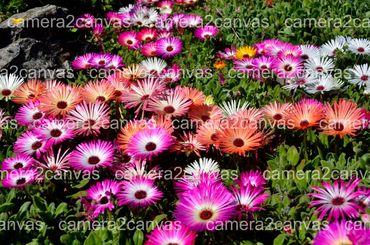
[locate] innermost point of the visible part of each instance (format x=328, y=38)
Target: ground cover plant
x=194, y=122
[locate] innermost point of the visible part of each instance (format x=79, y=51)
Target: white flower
x=8, y=84
x=310, y=52
x=330, y=48
x=360, y=74
x=359, y=46
x=319, y=66
x=323, y=84
x=231, y=107
x=154, y=66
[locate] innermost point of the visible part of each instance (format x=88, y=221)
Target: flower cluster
x=97, y=61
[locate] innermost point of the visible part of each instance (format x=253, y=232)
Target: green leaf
x=279, y=240
x=5, y=207
x=39, y=203
x=156, y=221
x=81, y=184
x=138, y=237
x=62, y=207
x=293, y=155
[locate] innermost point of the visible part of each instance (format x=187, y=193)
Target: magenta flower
x=337, y=200
x=19, y=178
x=19, y=161
x=171, y=233
x=91, y=155
x=205, y=32
x=169, y=47
x=29, y=114
x=139, y=192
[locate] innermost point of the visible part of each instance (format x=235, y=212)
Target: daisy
x=207, y=134
x=8, y=84
x=138, y=96
x=83, y=62
x=196, y=96
x=173, y=104
x=245, y=65
x=263, y=63
x=331, y=47
x=19, y=161
x=245, y=52
x=98, y=91
x=29, y=143
x=101, y=60
x=129, y=40
x=54, y=131
x=337, y=200
x=319, y=66
x=91, y=155
x=148, y=143
x=149, y=49
x=310, y=52
x=206, y=32
x=139, y=192
x=289, y=49
x=56, y=162
x=274, y=112
x=187, y=21
x=147, y=34
x=232, y=107
x=116, y=62
x=153, y=66
x=229, y=54
x=89, y=118
x=29, y=114
x=19, y=178
x=323, y=84
x=102, y=196
x=252, y=178
x=201, y=166
x=133, y=72
x=287, y=66
x=165, y=7
x=131, y=128
x=60, y=101
x=171, y=74
x=169, y=47
x=359, y=46
x=299, y=81
x=188, y=143
x=239, y=139
x=205, y=207
x=360, y=75
x=28, y=91
x=249, y=199
x=343, y=118
x=304, y=114
x=171, y=233
x=203, y=113
x=336, y=233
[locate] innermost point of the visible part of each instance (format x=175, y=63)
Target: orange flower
x=207, y=134
x=203, y=113
x=98, y=91
x=343, y=118
x=239, y=139
x=196, y=96
x=188, y=143
x=274, y=112
x=219, y=65
x=304, y=114
x=29, y=91
x=60, y=100
x=128, y=131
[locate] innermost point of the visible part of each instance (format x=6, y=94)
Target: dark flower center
x=304, y=123
x=145, y=97
x=206, y=214
x=37, y=116
x=238, y=142
x=62, y=105
x=337, y=201
x=18, y=165
x=55, y=133
x=277, y=116
x=169, y=49
x=93, y=160
x=129, y=42
x=150, y=146
x=364, y=78
x=6, y=92
x=89, y=123
x=21, y=181
x=206, y=36
x=263, y=67
x=169, y=109
x=101, y=62
x=338, y=126
x=104, y=200
x=304, y=56
x=36, y=145
x=319, y=69
x=117, y=93
x=100, y=98
x=246, y=56
x=214, y=137
x=140, y=194
x=288, y=67
x=320, y=88
x=205, y=118
x=361, y=50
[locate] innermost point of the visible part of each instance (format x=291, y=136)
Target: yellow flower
x=245, y=52
x=17, y=21
x=219, y=65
